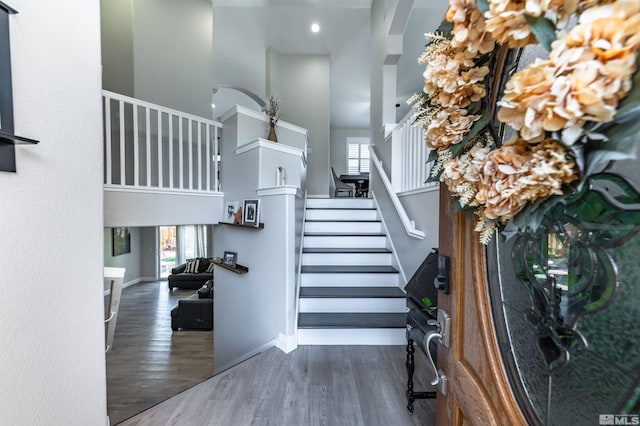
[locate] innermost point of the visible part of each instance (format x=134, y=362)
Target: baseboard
x=219, y=369
x=132, y=282
x=287, y=343
x=318, y=196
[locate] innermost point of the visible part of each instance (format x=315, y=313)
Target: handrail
x=140, y=102
x=408, y=224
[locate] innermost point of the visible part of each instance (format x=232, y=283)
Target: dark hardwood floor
x=313, y=385
x=149, y=362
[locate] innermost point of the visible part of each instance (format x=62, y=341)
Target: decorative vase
x=272, y=133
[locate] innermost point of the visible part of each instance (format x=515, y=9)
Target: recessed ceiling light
x=315, y=27
x=213, y=105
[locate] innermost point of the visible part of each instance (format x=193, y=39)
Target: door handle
x=440, y=379
x=442, y=335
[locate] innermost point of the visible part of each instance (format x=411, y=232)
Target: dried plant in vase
x=273, y=111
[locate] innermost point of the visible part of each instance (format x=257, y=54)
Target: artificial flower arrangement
x=573, y=111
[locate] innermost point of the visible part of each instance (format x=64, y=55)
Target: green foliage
x=482, y=5
x=622, y=144
x=445, y=29
x=543, y=29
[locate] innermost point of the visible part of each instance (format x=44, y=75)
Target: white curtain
x=191, y=242
x=181, y=232
x=200, y=240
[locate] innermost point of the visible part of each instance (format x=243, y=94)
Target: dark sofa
x=196, y=311
x=191, y=280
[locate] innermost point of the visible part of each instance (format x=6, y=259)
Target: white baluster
x=122, y=147
x=107, y=140
x=136, y=148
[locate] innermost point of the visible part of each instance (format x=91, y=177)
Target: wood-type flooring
x=312, y=385
x=149, y=362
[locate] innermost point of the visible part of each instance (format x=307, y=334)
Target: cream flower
x=506, y=18
x=519, y=173
x=469, y=27
x=447, y=127
x=587, y=73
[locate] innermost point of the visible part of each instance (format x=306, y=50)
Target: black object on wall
x=8, y=139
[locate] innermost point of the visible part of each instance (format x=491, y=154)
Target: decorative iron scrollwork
x=565, y=264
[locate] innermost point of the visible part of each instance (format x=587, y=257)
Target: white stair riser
x=340, y=203
x=346, y=258
x=352, y=336
x=344, y=227
x=345, y=242
x=336, y=304
x=348, y=280
x=342, y=214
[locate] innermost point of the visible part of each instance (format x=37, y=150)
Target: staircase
x=349, y=291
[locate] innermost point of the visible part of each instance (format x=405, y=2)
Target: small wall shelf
x=261, y=226
x=15, y=139
x=239, y=269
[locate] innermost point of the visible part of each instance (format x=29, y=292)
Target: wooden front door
x=477, y=389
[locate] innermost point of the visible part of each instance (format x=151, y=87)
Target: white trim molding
x=239, y=109
x=263, y=143
x=280, y=190
x=164, y=191
x=287, y=343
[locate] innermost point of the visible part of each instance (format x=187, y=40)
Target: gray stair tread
x=345, y=250
x=352, y=292
x=352, y=320
x=344, y=234
x=349, y=269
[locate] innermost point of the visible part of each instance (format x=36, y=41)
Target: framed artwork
x=120, y=241
x=251, y=212
x=230, y=209
x=230, y=259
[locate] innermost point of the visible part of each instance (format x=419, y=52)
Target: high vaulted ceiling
x=244, y=29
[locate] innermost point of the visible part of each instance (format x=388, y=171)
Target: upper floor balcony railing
x=410, y=169
x=149, y=147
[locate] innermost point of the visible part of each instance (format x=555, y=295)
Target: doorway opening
x=167, y=250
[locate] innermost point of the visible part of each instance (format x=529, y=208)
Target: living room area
x=163, y=340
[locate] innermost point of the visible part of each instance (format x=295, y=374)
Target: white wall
x=52, y=360
x=116, y=18
x=173, y=54
x=305, y=85
x=378, y=51
x=423, y=209
x=141, y=262
x=339, y=146
x=153, y=209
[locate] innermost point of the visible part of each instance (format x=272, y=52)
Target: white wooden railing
x=409, y=153
x=409, y=225
x=153, y=148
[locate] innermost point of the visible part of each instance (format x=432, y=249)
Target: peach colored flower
x=506, y=18
x=448, y=127
x=469, y=27
x=588, y=71
x=519, y=173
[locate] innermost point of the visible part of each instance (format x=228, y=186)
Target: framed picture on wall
x=230, y=259
x=230, y=210
x=121, y=241
x=251, y=212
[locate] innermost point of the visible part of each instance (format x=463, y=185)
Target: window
x=357, y=156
